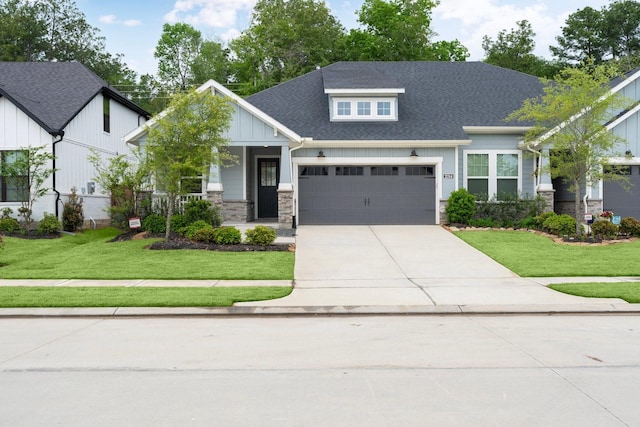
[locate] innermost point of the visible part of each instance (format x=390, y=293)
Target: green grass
x=88, y=255
x=532, y=255
x=44, y=296
x=629, y=292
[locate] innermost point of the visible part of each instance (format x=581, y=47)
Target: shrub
x=190, y=230
x=6, y=213
x=540, y=219
x=509, y=210
x=483, y=222
x=560, y=225
x=9, y=225
x=528, y=222
x=260, y=235
x=178, y=221
x=206, y=234
x=461, y=207
x=201, y=210
x=630, y=226
x=73, y=213
x=604, y=229
x=155, y=223
x=228, y=236
x=49, y=224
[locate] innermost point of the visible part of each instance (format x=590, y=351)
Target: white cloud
x=471, y=20
x=108, y=19
x=113, y=19
x=131, y=22
x=210, y=13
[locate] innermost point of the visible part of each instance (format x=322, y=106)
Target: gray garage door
x=366, y=195
x=622, y=202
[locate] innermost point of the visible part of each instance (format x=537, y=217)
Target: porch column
x=285, y=190
x=214, y=186
x=545, y=187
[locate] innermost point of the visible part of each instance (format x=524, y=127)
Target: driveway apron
x=351, y=266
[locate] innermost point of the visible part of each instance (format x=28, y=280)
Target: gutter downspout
x=539, y=154
x=294, y=207
x=61, y=135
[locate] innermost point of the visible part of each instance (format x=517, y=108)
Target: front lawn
x=89, y=255
x=532, y=255
x=44, y=296
x=630, y=292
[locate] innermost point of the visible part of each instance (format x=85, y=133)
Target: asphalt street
x=321, y=371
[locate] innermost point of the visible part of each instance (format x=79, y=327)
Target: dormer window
x=356, y=109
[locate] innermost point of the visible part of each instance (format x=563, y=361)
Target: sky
x=133, y=27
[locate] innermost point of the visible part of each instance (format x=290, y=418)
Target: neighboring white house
x=66, y=108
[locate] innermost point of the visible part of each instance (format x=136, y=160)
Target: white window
x=363, y=109
x=493, y=173
x=384, y=108
x=343, y=108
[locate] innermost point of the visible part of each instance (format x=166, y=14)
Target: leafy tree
x=582, y=38
x=176, y=51
x=27, y=173
x=514, y=50
x=212, y=63
x=621, y=32
x=286, y=38
x=123, y=179
x=55, y=30
x=185, y=141
x=569, y=118
x=399, y=30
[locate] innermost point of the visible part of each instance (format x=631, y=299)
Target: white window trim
x=493, y=167
x=373, y=103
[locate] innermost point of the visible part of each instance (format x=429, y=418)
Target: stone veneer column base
x=237, y=210
x=215, y=198
x=548, y=196
x=285, y=208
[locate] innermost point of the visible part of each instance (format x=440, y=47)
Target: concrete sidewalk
x=376, y=270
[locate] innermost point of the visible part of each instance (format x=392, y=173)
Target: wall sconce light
x=320, y=154
x=413, y=153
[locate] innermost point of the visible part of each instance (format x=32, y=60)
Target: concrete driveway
x=405, y=266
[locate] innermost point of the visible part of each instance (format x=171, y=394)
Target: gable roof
x=53, y=93
x=439, y=99
x=216, y=87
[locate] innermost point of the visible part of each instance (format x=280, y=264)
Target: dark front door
x=268, y=177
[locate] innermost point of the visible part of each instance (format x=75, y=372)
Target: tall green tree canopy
x=609, y=34
x=286, y=38
x=186, y=59
x=55, y=30
x=514, y=50
x=399, y=30
x=185, y=140
x=569, y=119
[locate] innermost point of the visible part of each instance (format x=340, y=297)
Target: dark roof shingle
x=440, y=98
x=53, y=93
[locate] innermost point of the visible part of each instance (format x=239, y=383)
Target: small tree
x=73, y=212
x=570, y=119
x=123, y=179
x=185, y=141
x=26, y=172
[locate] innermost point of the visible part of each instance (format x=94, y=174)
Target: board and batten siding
x=232, y=176
x=84, y=133
x=248, y=130
x=18, y=130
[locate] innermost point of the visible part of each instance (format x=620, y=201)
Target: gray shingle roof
x=53, y=93
x=440, y=98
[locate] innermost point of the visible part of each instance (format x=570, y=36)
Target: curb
x=441, y=310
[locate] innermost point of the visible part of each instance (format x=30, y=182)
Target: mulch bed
x=32, y=235
x=176, y=241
